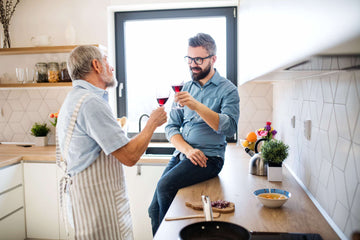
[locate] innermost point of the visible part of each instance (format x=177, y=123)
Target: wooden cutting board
x=199, y=206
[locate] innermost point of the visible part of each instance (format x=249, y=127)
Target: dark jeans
x=179, y=174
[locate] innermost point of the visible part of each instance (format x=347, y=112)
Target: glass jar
x=41, y=74
x=53, y=72
x=64, y=74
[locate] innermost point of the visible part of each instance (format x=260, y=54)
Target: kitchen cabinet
x=38, y=50
x=41, y=201
x=12, y=220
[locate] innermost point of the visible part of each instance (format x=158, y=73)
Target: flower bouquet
x=267, y=132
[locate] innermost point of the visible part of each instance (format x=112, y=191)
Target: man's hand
x=197, y=157
x=158, y=117
x=185, y=99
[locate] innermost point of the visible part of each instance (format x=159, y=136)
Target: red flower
x=268, y=123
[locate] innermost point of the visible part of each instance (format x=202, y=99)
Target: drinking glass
x=29, y=75
x=20, y=74
x=177, y=86
x=162, y=95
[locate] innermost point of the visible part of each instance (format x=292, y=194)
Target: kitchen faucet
x=144, y=115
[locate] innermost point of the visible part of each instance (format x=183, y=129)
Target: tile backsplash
x=329, y=163
x=20, y=108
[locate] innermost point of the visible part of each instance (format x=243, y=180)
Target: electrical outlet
x=307, y=129
x=293, y=121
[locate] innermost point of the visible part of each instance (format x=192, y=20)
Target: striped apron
x=100, y=206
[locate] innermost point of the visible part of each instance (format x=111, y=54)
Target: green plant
x=40, y=130
x=274, y=152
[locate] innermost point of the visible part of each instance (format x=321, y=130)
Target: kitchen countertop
x=235, y=184
x=12, y=154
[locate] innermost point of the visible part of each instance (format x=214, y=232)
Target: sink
x=160, y=150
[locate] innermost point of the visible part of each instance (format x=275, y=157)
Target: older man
x=95, y=147
x=199, y=130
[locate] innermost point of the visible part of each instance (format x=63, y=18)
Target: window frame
x=119, y=23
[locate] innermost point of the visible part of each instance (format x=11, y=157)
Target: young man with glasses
x=199, y=130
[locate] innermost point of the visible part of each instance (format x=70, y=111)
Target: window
x=150, y=50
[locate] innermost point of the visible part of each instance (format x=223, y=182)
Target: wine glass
x=177, y=86
x=162, y=95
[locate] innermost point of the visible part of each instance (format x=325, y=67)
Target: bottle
x=64, y=74
x=53, y=72
x=41, y=72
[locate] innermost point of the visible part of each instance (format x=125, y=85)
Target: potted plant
x=274, y=153
x=40, y=132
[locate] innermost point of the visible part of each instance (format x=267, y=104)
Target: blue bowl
x=272, y=203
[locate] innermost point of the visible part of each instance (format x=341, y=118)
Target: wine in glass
x=162, y=95
x=177, y=86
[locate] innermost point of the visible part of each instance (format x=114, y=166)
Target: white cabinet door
x=41, y=201
x=11, y=201
x=9, y=226
x=10, y=176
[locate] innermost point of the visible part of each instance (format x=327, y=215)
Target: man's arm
x=208, y=115
x=196, y=156
x=133, y=150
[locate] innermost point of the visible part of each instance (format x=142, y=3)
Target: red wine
x=177, y=88
x=162, y=101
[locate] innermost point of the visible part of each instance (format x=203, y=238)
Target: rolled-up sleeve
x=229, y=115
x=174, y=123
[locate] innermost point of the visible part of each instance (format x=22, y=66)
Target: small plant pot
x=41, y=141
x=274, y=173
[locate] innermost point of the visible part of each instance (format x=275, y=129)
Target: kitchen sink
x=159, y=150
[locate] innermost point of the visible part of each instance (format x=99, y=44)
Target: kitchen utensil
x=215, y=215
x=199, y=206
x=272, y=203
x=212, y=229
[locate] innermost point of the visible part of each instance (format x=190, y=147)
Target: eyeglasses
x=197, y=60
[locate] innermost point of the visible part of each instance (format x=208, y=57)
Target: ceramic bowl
x=272, y=197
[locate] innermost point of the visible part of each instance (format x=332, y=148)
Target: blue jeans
x=179, y=174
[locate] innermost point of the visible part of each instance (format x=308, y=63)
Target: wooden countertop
x=235, y=184
x=11, y=154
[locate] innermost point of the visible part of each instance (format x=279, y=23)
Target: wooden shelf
x=39, y=50
x=31, y=85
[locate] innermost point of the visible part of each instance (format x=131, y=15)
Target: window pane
x=154, y=56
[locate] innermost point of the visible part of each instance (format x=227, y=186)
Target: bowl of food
x=272, y=197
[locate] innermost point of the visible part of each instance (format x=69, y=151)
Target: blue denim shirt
x=95, y=129
x=221, y=96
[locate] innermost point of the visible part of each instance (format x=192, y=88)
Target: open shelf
x=39, y=50
x=31, y=85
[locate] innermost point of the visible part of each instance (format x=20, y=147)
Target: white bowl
x=276, y=197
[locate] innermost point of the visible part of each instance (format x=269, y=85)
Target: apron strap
x=66, y=180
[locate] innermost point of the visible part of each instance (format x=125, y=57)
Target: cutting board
x=199, y=206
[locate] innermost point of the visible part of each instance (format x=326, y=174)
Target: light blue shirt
x=96, y=127
x=221, y=96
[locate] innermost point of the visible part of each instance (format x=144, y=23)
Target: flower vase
x=41, y=141
x=274, y=172
x=6, y=40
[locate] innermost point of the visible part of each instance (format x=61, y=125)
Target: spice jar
x=64, y=74
x=53, y=72
x=41, y=72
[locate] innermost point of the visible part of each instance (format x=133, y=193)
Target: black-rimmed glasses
x=197, y=60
